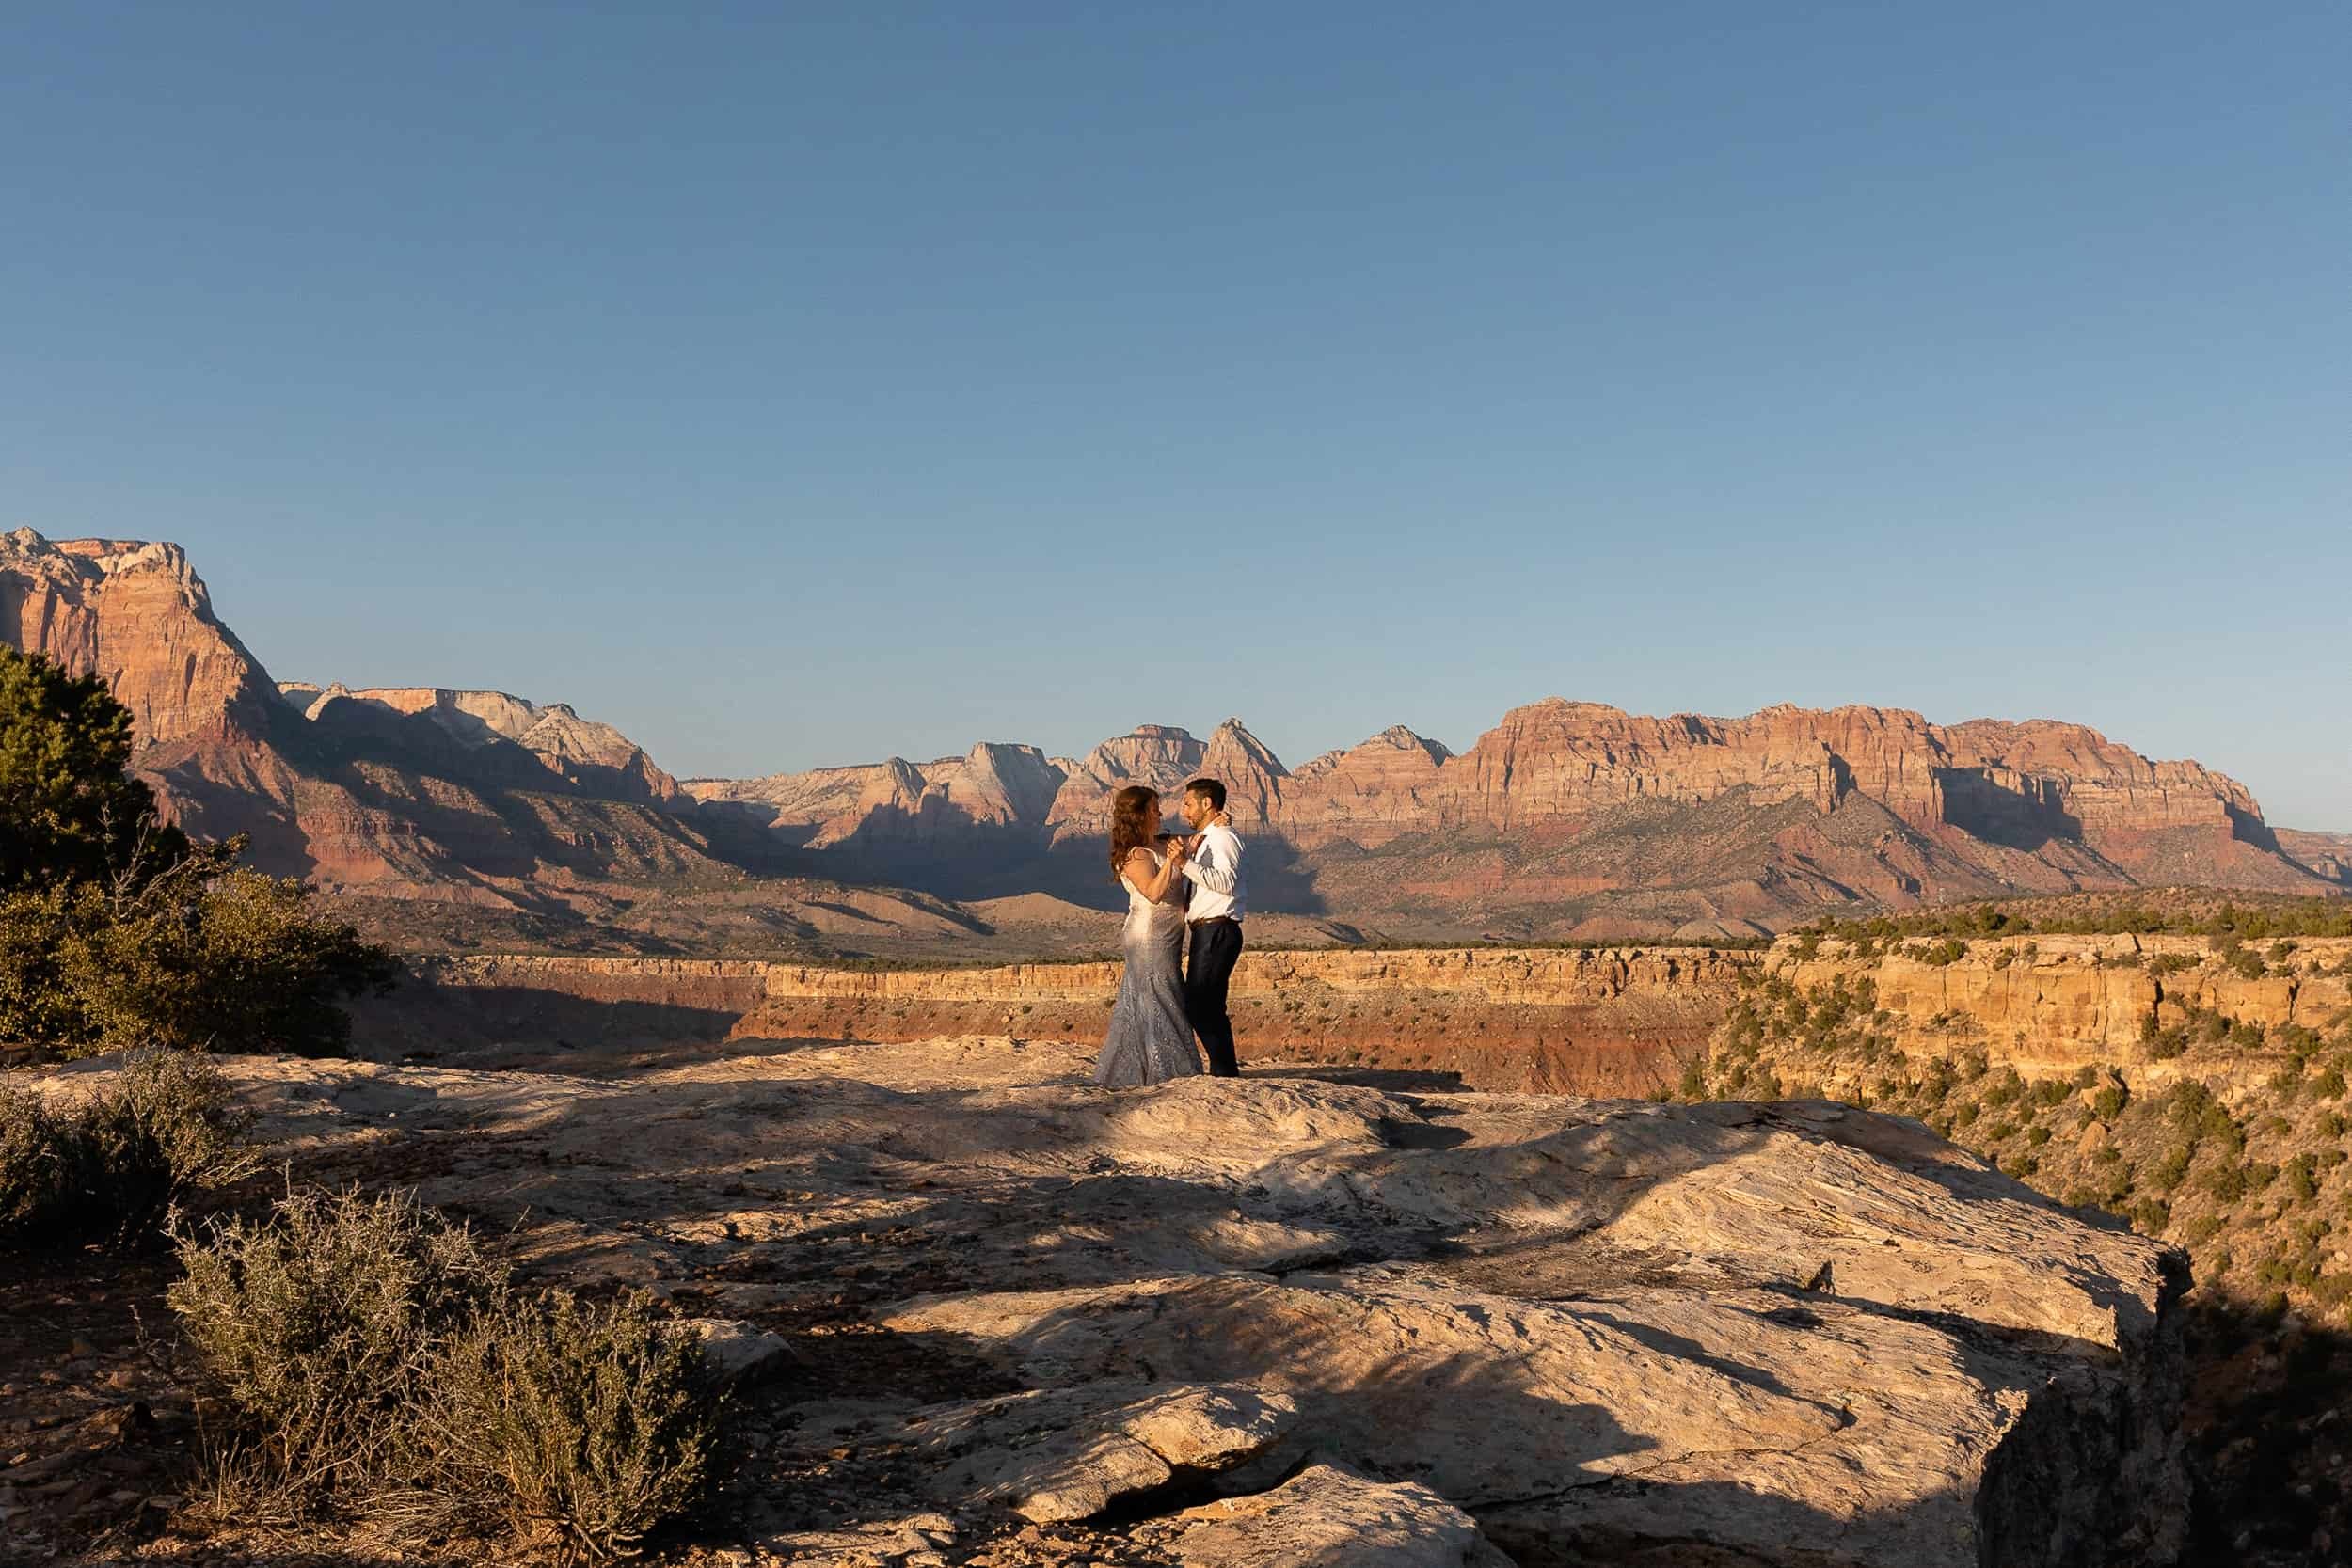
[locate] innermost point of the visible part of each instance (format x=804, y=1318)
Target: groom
x=1214, y=870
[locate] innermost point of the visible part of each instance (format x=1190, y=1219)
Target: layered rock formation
x=2051, y=1005
x=1590, y=1021
x=593, y=757
x=1615, y=1021
x=1216, y=1322
x=1159, y=756
x=952, y=803
x=2328, y=855
x=138, y=614
x=1576, y=819
x=1567, y=819
x=471, y=795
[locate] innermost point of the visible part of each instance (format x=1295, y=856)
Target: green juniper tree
x=69, y=811
x=115, y=929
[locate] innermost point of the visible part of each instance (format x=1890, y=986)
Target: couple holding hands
x=1180, y=891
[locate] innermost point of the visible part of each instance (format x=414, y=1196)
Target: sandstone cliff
x=2051, y=1005
x=1299, y=1317
x=1594, y=1022
x=594, y=758
x=1611, y=1020
x=950, y=804
x=1567, y=820
x=138, y=614
x=2193, y=1088
x=469, y=795
x=2326, y=855
x=1576, y=819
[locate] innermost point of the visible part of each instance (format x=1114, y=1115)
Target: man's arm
x=1218, y=867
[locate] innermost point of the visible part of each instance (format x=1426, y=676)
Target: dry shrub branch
x=104, y=1169
x=384, y=1369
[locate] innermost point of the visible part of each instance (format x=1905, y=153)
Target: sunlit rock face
x=469, y=794
x=1566, y=820
x=138, y=614
x=1365, y=1318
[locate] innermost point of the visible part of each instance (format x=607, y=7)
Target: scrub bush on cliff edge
x=212, y=955
x=382, y=1369
x=107, y=1169
x=116, y=930
x=588, y=1424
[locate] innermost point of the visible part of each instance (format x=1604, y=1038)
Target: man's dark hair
x=1209, y=790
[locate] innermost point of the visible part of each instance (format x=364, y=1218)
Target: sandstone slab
x=740, y=1354
x=1071, y=1454
x=918, y=1541
x=1330, y=1518
x=1601, y=1329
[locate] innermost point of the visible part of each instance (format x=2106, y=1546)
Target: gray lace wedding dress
x=1149, y=1039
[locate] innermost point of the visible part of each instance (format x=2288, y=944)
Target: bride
x=1149, y=1039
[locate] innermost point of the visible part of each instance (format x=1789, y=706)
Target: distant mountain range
x=1566, y=818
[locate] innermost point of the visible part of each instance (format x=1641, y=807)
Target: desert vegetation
x=2181, y=912
x=374, y=1371
x=116, y=930
x=2226, y=1139
x=385, y=1370
x=105, y=1169
x=2250, y=1177
x=370, y=1365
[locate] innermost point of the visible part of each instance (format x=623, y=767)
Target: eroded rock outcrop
x=460, y=795
x=1554, y=1329
x=138, y=614
x=1620, y=1020
x=1566, y=820
x=1625, y=822
x=2054, y=1004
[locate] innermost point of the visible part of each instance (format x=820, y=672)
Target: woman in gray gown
x=1149, y=1039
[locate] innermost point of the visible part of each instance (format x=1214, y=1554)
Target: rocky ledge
x=1310, y=1317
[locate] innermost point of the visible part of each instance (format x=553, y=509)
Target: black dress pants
x=1208, y=971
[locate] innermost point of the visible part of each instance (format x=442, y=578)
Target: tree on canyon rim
x=69, y=811
x=116, y=930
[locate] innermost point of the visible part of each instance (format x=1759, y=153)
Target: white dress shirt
x=1215, y=873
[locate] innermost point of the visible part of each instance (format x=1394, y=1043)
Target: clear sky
x=804, y=383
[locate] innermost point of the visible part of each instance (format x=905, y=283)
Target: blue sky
x=803, y=385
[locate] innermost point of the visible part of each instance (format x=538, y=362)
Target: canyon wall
x=1616, y=1021
x=2021, y=785
x=1595, y=1021
x=2050, y=1004
x=138, y=614
x=1566, y=821
x=1577, y=819
x=464, y=795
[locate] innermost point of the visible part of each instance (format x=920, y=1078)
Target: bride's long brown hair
x=1128, y=833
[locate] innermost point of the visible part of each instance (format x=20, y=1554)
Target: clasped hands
x=1182, y=849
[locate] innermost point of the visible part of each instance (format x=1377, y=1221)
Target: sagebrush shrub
x=36, y=1169
x=383, y=1366
x=588, y=1423
x=320, y=1325
x=107, y=1168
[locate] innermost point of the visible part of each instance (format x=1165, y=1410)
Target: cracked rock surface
x=1402, y=1326
x=1330, y=1518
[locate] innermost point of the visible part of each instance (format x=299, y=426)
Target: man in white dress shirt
x=1214, y=913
